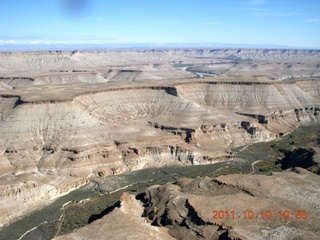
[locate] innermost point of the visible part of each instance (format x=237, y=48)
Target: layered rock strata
x=122, y=223
x=228, y=207
x=238, y=207
x=67, y=116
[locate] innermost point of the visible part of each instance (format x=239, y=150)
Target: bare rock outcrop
x=68, y=116
x=278, y=206
x=122, y=223
x=238, y=207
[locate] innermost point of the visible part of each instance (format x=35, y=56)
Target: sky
x=294, y=23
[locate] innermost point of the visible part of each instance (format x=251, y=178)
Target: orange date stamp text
x=264, y=214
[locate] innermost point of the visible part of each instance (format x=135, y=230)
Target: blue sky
x=283, y=22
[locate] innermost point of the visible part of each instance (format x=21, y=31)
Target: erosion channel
x=101, y=195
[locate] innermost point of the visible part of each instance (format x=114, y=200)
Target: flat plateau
x=67, y=117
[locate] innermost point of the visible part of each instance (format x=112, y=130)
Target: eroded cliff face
x=236, y=206
x=121, y=223
x=59, y=126
x=207, y=208
x=112, y=132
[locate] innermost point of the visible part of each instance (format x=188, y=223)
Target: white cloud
x=34, y=42
x=270, y=13
x=212, y=23
x=312, y=20
x=79, y=40
x=85, y=19
x=256, y=2
x=166, y=22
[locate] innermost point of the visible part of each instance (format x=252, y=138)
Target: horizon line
x=140, y=46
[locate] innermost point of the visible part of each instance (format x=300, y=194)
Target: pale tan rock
x=244, y=206
x=68, y=116
x=122, y=223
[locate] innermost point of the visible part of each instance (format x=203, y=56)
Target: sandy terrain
x=213, y=207
x=227, y=207
x=68, y=116
x=123, y=223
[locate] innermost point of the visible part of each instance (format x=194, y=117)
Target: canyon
x=68, y=117
x=235, y=206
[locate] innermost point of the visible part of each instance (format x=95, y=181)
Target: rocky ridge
x=123, y=223
x=197, y=205
x=227, y=207
x=66, y=117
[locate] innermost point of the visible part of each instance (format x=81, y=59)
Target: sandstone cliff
x=122, y=223
x=67, y=116
x=227, y=207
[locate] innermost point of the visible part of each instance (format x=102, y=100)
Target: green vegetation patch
x=277, y=149
x=266, y=166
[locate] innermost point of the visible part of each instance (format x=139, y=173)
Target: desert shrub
x=284, y=150
x=266, y=168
